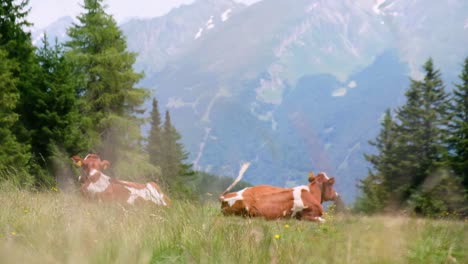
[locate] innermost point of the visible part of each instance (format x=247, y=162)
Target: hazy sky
x=44, y=12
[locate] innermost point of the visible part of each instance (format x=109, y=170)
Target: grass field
x=60, y=228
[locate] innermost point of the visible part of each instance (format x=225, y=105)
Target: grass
x=63, y=228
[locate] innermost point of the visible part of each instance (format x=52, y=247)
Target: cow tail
x=242, y=170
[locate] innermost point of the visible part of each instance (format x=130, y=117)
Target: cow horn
x=311, y=176
x=105, y=164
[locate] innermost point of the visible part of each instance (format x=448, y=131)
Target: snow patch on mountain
x=179, y=103
x=222, y=92
x=225, y=14
x=344, y=163
x=339, y=92
x=377, y=6
x=201, y=148
x=311, y=7
x=352, y=84
x=199, y=33
x=293, y=38
x=209, y=24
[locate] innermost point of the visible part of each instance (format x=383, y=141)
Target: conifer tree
x=110, y=98
x=53, y=106
x=155, y=146
x=174, y=169
x=421, y=131
x=18, y=65
x=458, y=142
x=411, y=150
x=12, y=153
x=376, y=186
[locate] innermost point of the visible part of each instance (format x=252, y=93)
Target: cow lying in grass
x=96, y=185
x=301, y=202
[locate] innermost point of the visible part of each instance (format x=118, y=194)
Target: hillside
x=62, y=228
x=292, y=86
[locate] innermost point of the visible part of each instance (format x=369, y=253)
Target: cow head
x=90, y=162
x=328, y=193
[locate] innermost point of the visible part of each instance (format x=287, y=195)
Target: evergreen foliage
x=176, y=172
x=376, y=186
x=155, y=146
x=16, y=74
x=110, y=98
x=54, y=122
x=458, y=141
x=409, y=169
x=12, y=152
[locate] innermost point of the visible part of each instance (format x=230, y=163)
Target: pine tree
x=174, y=169
x=458, y=142
x=12, y=153
x=18, y=66
x=53, y=105
x=377, y=186
x=110, y=98
x=155, y=146
x=421, y=130
x=411, y=151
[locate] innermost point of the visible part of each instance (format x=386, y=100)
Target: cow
x=301, y=202
x=97, y=185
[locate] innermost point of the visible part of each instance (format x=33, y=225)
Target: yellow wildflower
x=13, y=233
x=277, y=236
x=286, y=226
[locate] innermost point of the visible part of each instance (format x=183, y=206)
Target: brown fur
x=91, y=172
x=273, y=202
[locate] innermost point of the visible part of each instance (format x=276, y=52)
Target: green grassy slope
x=58, y=228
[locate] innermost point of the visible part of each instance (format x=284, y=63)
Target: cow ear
x=331, y=180
x=105, y=164
x=311, y=177
x=77, y=161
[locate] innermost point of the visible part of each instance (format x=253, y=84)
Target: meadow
x=53, y=227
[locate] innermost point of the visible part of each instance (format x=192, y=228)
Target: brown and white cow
x=301, y=202
x=97, y=185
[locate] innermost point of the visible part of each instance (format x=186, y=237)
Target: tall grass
x=62, y=228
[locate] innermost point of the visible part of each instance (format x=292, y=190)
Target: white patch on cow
x=320, y=219
x=285, y=212
x=324, y=175
x=298, y=204
x=101, y=184
x=148, y=194
x=234, y=199
x=156, y=196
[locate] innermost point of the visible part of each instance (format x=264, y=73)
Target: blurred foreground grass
x=60, y=228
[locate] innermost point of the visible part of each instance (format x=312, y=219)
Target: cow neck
x=94, y=175
x=320, y=188
x=321, y=191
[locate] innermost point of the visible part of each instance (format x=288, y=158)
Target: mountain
x=55, y=31
x=292, y=86
x=301, y=86
x=163, y=38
